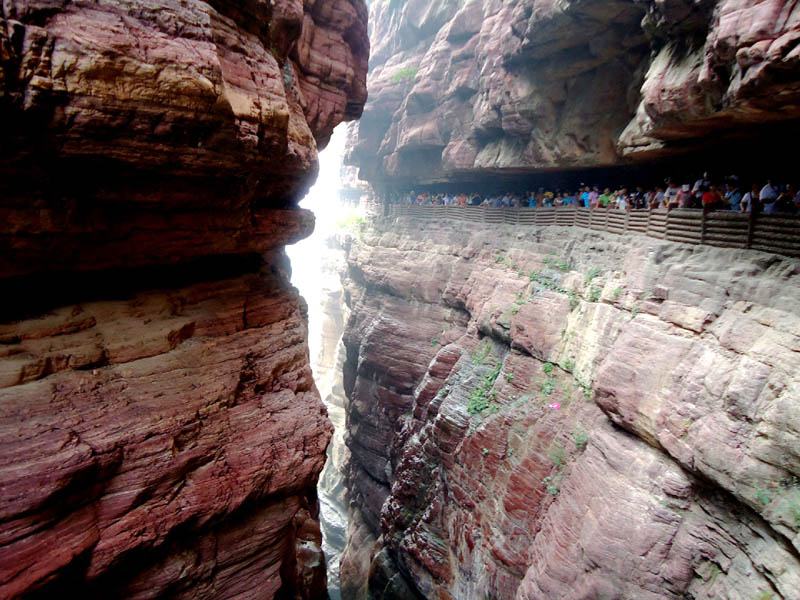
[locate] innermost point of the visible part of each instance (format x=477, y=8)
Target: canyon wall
x=553, y=413
x=161, y=433
x=461, y=88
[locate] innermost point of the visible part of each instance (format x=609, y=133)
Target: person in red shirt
x=712, y=199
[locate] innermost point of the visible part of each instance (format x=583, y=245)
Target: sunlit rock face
x=161, y=433
x=569, y=414
x=462, y=87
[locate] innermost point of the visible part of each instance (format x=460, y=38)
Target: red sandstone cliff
x=539, y=414
x=160, y=431
x=464, y=87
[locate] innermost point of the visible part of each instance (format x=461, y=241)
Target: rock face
x=559, y=414
x=161, y=433
x=460, y=88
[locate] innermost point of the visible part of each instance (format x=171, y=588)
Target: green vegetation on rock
x=406, y=74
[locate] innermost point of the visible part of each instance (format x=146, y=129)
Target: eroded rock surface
x=464, y=87
x=161, y=433
x=559, y=414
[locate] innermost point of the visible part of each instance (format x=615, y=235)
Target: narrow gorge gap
x=316, y=263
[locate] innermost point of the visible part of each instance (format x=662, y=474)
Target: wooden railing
x=779, y=234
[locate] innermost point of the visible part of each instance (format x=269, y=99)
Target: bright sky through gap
x=306, y=255
x=315, y=273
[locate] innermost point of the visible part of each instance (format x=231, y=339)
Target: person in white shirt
x=749, y=199
x=768, y=195
x=622, y=199
x=671, y=195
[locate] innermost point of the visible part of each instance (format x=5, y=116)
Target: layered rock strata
x=465, y=87
x=561, y=414
x=161, y=433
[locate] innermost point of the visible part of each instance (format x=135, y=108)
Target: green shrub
x=593, y=272
x=581, y=438
x=594, y=295
x=550, y=486
x=350, y=222
x=435, y=342
x=480, y=355
x=573, y=301
x=794, y=508
x=569, y=364
x=547, y=368
x=406, y=74
x=479, y=399
x=556, y=454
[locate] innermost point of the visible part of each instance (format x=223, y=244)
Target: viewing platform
x=776, y=233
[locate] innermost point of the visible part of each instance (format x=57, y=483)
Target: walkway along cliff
x=160, y=432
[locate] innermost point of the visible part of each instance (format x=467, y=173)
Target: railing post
x=703, y=226
x=627, y=220
x=608, y=214
x=649, y=216
x=591, y=216
x=751, y=225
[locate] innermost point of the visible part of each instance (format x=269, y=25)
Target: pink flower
x=555, y=406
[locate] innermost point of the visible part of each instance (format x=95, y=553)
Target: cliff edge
x=552, y=413
x=161, y=433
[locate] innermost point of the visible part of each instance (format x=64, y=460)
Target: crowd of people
x=727, y=194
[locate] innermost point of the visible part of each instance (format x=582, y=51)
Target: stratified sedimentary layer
x=164, y=443
x=155, y=132
x=461, y=87
x=160, y=432
x=559, y=414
